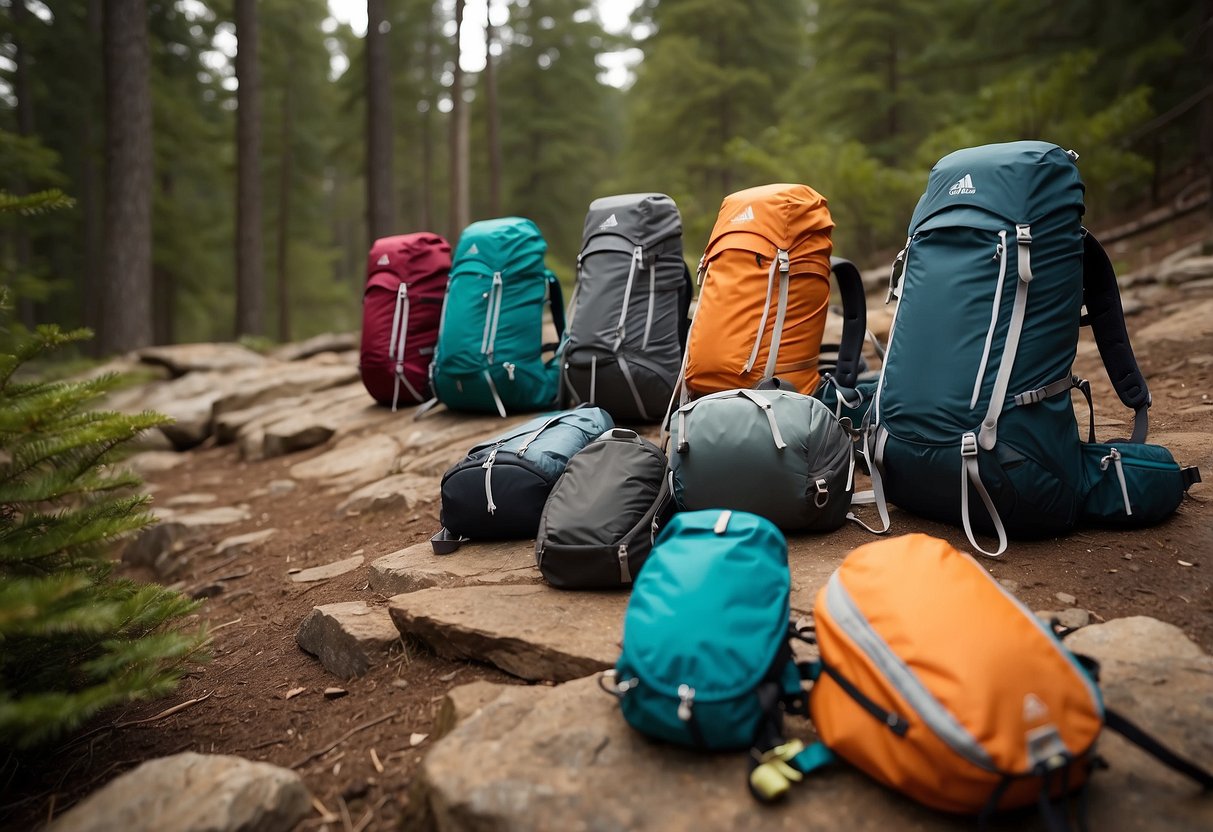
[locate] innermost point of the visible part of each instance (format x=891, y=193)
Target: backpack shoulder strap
x=1107, y=319
x=1117, y=722
x=854, y=321
x=556, y=297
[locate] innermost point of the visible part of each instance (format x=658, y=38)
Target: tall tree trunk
x=23, y=248
x=891, y=124
x=1207, y=140
x=380, y=213
x=284, y=204
x=459, y=138
x=164, y=285
x=91, y=187
x=250, y=269
x=490, y=84
x=427, y=128
x=126, y=291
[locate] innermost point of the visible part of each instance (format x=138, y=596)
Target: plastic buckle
x=785, y=264
x=968, y=445
x=1023, y=234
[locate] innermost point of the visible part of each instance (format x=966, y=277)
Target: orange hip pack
x=991, y=713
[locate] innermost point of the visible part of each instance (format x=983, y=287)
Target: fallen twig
x=167, y=712
x=322, y=751
x=225, y=624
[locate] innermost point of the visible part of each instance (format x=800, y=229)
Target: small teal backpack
x=489, y=357
x=707, y=662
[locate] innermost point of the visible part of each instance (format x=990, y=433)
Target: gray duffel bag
x=771, y=452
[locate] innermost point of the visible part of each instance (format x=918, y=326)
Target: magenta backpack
x=401, y=307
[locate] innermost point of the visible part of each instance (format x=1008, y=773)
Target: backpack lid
x=1018, y=182
x=642, y=219
x=783, y=215
x=409, y=256
x=506, y=244
x=710, y=607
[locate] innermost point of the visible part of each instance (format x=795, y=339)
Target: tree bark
x=91, y=186
x=459, y=138
x=250, y=270
x=494, y=118
x=164, y=284
x=1207, y=138
x=427, y=128
x=284, y=205
x=380, y=213
x=23, y=248
x=126, y=300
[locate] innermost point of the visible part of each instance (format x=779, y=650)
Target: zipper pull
x=488, y=479
x=509, y=369
x=997, y=252
x=686, y=700
x=1114, y=457
x=823, y=494
x=722, y=522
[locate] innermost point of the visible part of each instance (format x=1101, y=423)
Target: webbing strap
x=648, y=318
x=1156, y=749
x=1101, y=296
x=637, y=255
x=762, y=323
x=627, y=376
x=877, y=492
x=781, y=312
x=425, y=408
x=970, y=473
x=556, y=301
x=493, y=389
x=988, y=435
x=1048, y=391
x=765, y=404
x=854, y=321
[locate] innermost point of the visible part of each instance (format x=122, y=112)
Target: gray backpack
x=603, y=514
x=772, y=452
x=627, y=319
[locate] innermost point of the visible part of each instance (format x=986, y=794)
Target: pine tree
x=73, y=639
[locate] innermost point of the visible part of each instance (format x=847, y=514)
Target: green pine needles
x=73, y=639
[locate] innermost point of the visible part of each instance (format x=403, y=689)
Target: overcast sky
x=614, y=14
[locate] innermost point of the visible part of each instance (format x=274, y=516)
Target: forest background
x=231, y=160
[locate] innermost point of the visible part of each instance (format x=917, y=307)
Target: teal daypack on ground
x=706, y=660
x=489, y=356
x=974, y=396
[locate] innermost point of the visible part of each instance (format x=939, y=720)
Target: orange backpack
x=937, y=682
x=766, y=288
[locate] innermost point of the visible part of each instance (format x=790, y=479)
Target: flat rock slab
x=328, y=570
x=175, y=528
x=462, y=701
x=1191, y=321
x=352, y=462
x=399, y=492
x=474, y=564
x=349, y=637
x=325, y=342
x=153, y=462
x=533, y=632
x=563, y=758
x=180, y=359
x=194, y=793
x=240, y=543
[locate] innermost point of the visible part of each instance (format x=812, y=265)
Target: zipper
x=509, y=369
x=1114, y=458
x=488, y=479
x=1000, y=254
x=625, y=574
x=637, y=262
x=648, y=320
x=686, y=701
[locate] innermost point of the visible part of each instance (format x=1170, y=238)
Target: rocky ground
x=388, y=687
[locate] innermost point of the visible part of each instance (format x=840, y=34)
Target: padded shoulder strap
x=1107, y=318
x=556, y=296
x=854, y=321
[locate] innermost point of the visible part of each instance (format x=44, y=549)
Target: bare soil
x=238, y=705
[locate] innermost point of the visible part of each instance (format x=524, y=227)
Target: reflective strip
x=988, y=435
x=938, y=719
x=648, y=321
x=627, y=376
x=765, y=403
x=971, y=473
x=637, y=258
x=781, y=312
x=985, y=355
x=766, y=308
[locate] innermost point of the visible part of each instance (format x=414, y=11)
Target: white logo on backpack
x=745, y=216
x=609, y=222
x=473, y=249
x=1034, y=710
x=383, y=260
x=963, y=186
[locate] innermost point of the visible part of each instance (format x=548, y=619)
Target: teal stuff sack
x=706, y=659
x=489, y=357
x=1131, y=484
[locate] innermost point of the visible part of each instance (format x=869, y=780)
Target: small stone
x=417, y=739
x=1009, y=585
x=279, y=487
x=1127, y=556
x=335, y=693
x=243, y=542
x=210, y=590
x=348, y=638
x=1185, y=563
x=293, y=692
x=448, y=677
x=186, y=500
x=1066, y=598
x=400, y=683
x=1074, y=618
x=328, y=570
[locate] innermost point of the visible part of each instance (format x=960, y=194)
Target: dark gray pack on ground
x=772, y=452
x=628, y=316
x=498, y=491
x=602, y=516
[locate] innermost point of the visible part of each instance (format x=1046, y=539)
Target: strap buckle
x=785, y=263
x=968, y=445
x=1023, y=235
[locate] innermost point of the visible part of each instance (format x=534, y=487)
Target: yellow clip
x=773, y=776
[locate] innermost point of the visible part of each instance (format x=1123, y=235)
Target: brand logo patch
x=963, y=186
x=473, y=249
x=383, y=261
x=1033, y=709
x=745, y=216
x=609, y=222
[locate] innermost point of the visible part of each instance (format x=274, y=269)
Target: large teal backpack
x=973, y=403
x=490, y=349
x=706, y=659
